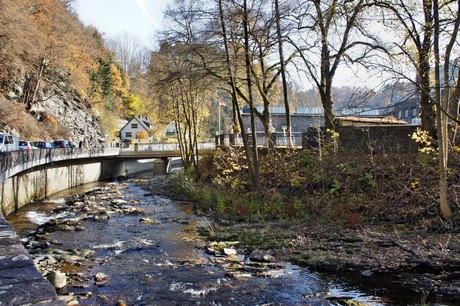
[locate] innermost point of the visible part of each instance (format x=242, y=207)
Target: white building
x=135, y=126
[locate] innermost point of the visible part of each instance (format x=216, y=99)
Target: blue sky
x=115, y=18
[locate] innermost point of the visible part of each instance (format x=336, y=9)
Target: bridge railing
x=15, y=162
x=12, y=163
x=162, y=146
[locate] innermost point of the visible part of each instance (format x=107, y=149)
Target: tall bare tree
x=249, y=88
x=283, y=72
x=332, y=31
x=416, y=22
x=442, y=101
x=130, y=53
x=428, y=38
x=184, y=87
x=234, y=94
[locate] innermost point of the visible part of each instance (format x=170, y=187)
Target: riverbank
x=20, y=282
x=125, y=244
x=424, y=262
x=130, y=240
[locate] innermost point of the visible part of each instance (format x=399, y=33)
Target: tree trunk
x=251, y=102
x=235, y=96
x=441, y=121
x=326, y=85
x=428, y=114
x=283, y=74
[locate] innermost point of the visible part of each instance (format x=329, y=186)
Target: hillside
x=56, y=76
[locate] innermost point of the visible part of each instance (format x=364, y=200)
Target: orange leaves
x=142, y=135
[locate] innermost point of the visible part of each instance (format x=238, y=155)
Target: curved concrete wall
x=40, y=183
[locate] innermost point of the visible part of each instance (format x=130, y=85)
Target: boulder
x=230, y=252
x=57, y=279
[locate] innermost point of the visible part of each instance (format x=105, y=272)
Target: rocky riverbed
x=385, y=255
x=128, y=243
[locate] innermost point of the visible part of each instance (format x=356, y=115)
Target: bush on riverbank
x=347, y=189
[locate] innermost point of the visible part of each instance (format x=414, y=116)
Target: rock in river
x=57, y=279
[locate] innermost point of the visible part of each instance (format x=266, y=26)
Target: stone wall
x=380, y=138
x=20, y=281
x=299, y=122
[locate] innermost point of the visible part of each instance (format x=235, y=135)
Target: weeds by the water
x=345, y=189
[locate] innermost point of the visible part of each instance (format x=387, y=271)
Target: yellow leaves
x=132, y=104
x=415, y=184
x=117, y=80
x=229, y=162
x=333, y=134
x=424, y=140
x=341, y=167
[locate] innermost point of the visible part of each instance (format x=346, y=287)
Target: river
x=145, y=250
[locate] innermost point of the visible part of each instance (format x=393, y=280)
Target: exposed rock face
x=61, y=101
x=71, y=112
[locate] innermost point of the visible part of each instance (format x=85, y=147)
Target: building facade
x=136, y=127
x=408, y=111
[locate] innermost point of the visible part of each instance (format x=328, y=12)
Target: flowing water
x=158, y=263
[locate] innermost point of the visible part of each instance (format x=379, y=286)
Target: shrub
x=343, y=189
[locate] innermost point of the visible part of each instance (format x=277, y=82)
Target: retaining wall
x=38, y=183
x=379, y=138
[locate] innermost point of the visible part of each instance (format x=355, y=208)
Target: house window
x=406, y=113
x=399, y=114
x=134, y=125
x=414, y=112
x=128, y=134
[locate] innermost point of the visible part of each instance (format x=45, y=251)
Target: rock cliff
x=59, y=113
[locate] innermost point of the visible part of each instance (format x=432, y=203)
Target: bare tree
x=249, y=88
x=283, y=72
x=234, y=94
x=428, y=38
x=184, y=87
x=442, y=102
x=130, y=54
x=331, y=31
x=415, y=45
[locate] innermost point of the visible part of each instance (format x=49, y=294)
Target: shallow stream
x=159, y=262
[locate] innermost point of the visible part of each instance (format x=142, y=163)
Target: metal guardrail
x=163, y=146
x=12, y=163
x=15, y=162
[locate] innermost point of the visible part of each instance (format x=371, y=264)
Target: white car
x=8, y=142
x=26, y=145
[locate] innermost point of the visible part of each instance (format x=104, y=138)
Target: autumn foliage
x=45, y=51
x=142, y=135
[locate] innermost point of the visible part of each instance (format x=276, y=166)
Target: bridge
x=32, y=175
x=35, y=174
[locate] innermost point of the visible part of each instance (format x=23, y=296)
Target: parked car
x=8, y=142
x=26, y=145
x=63, y=144
x=44, y=145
